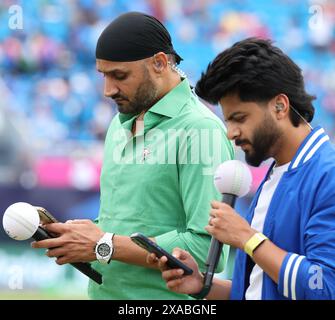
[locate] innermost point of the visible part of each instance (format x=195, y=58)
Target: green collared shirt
x=160, y=183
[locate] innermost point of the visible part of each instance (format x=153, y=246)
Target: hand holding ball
x=21, y=221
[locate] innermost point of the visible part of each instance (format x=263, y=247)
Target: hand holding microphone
x=232, y=179
x=22, y=221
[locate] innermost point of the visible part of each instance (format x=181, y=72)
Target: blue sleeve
x=313, y=276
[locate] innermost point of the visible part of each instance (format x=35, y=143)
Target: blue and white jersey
x=301, y=221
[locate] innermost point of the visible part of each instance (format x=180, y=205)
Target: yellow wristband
x=253, y=243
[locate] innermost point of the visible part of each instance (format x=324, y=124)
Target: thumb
x=79, y=221
x=180, y=254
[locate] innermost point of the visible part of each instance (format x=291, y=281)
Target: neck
x=290, y=143
x=169, y=82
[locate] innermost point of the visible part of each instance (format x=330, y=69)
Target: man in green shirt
x=160, y=154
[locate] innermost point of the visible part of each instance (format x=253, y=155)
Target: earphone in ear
x=279, y=107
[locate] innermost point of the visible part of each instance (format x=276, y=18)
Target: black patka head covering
x=134, y=36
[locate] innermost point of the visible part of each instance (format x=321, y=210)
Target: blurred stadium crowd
x=51, y=102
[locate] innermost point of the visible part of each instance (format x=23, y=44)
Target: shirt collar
x=172, y=103
x=169, y=106
x=306, y=151
x=126, y=116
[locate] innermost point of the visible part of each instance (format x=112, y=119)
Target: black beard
x=145, y=97
x=264, y=139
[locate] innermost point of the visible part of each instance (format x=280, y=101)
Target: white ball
x=20, y=221
x=233, y=177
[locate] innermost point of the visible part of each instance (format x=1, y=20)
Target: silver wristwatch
x=104, y=248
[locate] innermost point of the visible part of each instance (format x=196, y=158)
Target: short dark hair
x=172, y=58
x=256, y=71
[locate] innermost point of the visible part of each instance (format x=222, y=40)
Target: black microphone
x=84, y=267
x=215, y=248
x=232, y=179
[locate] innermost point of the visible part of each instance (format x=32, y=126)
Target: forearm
x=296, y=276
x=125, y=250
x=269, y=257
x=220, y=290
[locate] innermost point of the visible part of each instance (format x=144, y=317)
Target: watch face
x=104, y=249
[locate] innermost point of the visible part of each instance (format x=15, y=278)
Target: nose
x=233, y=132
x=110, y=89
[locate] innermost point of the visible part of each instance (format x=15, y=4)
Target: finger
x=162, y=263
x=48, y=243
x=216, y=204
x=81, y=221
x=57, y=227
x=180, y=254
x=214, y=222
x=177, y=252
x=219, y=205
x=62, y=260
x=151, y=258
x=175, y=283
x=210, y=229
x=216, y=213
x=57, y=252
x=172, y=274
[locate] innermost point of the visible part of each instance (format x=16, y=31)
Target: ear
x=160, y=61
x=281, y=105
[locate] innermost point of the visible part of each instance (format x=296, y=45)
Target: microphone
x=21, y=221
x=232, y=179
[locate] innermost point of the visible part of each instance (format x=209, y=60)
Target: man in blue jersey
x=286, y=244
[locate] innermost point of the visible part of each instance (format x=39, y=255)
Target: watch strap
x=107, y=238
x=253, y=243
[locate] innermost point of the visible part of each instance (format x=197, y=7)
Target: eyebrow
x=234, y=114
x=113, y=71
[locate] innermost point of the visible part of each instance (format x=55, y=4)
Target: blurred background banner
x=53, y=116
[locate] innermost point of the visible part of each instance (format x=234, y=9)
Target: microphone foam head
x=21, y=220
x=233, y=177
